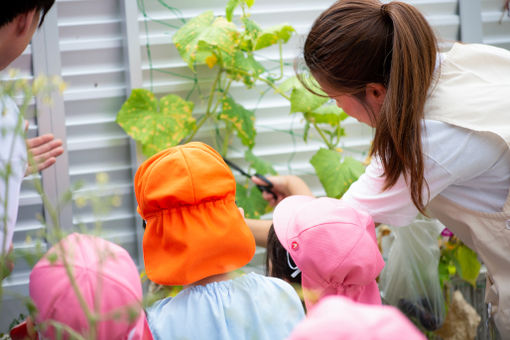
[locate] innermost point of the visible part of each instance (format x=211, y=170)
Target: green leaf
x=302, y=100
x=249, y=2
x=187, y=37
x=251, y=33
x=156, y=125
x=289, y=84
x=250, y=199
x=202, y=35
x=274, y=34
x=326, y=114
x=242, y=120
x=261, y=166
x=336, y=176
x=245, y=68
x=468, y=264
x=231, y=6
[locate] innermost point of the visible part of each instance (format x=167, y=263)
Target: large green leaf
x=242, y=120
x=204, y=33
x=334, y=174
x=261, y=166
x=469, y=266
x=289, y=84
x=156, y=125
x=274, y=34
x=302, y=100
x=251, y=200
x=326, y=114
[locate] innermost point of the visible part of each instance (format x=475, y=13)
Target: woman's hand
x=283, y=186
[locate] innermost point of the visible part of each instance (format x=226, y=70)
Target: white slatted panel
x=91, y=45
x=91, y=49
x=494, y=32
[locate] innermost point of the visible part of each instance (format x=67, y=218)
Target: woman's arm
x=283, y=186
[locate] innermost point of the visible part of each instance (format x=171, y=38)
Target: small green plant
x=457, y=260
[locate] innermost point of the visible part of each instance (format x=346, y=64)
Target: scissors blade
x=235, y=167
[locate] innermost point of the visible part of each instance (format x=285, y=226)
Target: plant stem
x=330, y=146
x=228, y=133
x=280, y=49
x=208, y=109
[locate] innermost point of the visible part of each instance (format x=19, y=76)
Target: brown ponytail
x=358, y=42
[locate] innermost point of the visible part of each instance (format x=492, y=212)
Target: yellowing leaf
x=468, y=264
x=211, y=60
x=156, y=125
x=242, y=120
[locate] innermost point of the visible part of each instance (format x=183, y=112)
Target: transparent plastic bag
x=410, y=279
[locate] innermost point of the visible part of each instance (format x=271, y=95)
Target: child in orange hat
x=196, y=236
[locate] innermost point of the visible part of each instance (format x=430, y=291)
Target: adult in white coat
x=442, y=128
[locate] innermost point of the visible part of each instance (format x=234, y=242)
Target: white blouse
x=470, y=168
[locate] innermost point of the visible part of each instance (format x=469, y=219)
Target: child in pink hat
x=339, y=318
x=333, y=245
x=109, y=284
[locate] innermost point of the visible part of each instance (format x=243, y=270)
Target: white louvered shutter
x=83, y=41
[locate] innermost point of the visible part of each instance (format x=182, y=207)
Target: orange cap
x=186, y=194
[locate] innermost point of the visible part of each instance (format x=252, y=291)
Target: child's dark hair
x=11, y=9
x=277, y=262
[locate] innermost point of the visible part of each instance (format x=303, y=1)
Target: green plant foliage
x=156, y=124
x=273, y=35
x=232, y=4
x=326, y=114
x=468, y=266
x=244, y=67
x=302, y=100
x=250, y=199
x=457, y=260
x=251, y=34
x=335, y=174
x=204, y=35
x=261, y=166
x=242, y=120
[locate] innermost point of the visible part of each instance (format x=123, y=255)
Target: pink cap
x=333, y=245
x=336, y=317
x=99, y=267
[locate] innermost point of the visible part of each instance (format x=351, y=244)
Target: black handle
x=265, y=188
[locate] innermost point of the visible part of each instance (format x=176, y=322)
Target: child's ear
x=25, y=22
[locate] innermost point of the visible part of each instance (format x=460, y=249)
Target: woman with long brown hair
x=442, y=127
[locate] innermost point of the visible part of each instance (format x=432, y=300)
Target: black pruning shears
x=263, y=188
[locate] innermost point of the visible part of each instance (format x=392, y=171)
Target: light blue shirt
x=248, y=307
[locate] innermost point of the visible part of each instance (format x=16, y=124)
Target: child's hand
x=283, y=186
x=44, y=149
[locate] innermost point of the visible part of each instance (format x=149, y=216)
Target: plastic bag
x=410, y=279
